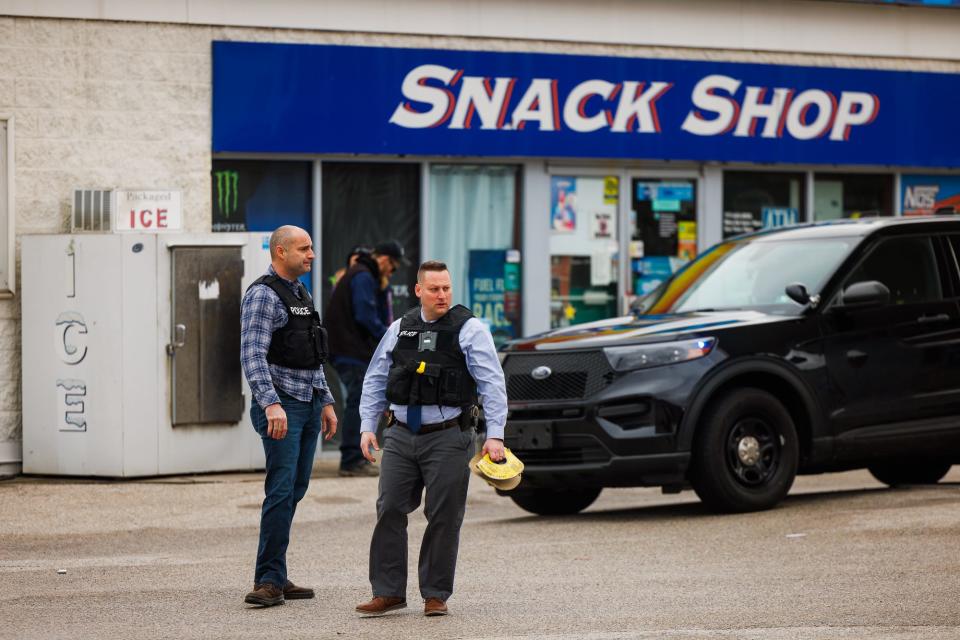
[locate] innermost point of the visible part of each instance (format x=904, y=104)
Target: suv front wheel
x=745, y=453
x=554, y=502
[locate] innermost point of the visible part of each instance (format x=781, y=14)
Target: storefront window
x=583, y=249
x=472, y=226
x=663, y=230
x=260, y=195
x=852, y=195
x=754, y=200
x=369, y=203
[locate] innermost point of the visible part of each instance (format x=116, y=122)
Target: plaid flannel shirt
x=261, y=313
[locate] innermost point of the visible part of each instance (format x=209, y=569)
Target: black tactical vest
x=302, y=342
x=428, y=366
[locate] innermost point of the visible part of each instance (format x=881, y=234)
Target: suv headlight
x=642, y=356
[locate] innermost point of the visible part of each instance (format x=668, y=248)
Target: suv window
x=955, y=245
x=907, y=266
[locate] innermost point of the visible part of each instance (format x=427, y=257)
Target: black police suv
x=814, y=348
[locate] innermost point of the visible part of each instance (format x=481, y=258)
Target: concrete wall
x=752, y=25
x=104, y=104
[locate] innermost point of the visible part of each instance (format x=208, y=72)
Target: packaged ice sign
x=139, y=210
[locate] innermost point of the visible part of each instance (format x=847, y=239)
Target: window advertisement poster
x=260, y=195
x=490, y=277
x=687, y=240
x=927, y=195
x=563, y=204
x=611, y=190
x=603, y=223
x=773, y=217
x=650, y=273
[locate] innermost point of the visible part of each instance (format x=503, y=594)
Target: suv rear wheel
x=745, y=453
x=555, y=502
x=914, y=471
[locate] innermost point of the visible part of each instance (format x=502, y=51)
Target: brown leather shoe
x=265, y=595
x=293, y=592
x=434, y=607
x=381, y=605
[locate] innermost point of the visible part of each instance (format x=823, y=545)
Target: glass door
x=584, y=249
x=663, y=230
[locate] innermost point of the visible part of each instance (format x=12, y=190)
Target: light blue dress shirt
x=482, y=363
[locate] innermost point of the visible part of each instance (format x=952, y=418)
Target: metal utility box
x=131, y=353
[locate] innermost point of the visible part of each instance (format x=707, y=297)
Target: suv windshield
x=748, y=273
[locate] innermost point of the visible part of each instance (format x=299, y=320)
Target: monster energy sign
x=227, y=214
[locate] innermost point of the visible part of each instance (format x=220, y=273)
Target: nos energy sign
x=330, y=99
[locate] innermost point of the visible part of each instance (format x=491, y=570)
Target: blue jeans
x=289, y=463
x=351, y=375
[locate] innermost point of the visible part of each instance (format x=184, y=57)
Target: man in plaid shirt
x=282, y=347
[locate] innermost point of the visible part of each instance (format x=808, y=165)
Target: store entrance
x=650, y=218
x=371, y=202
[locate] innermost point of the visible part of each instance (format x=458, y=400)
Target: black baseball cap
x=393, y=249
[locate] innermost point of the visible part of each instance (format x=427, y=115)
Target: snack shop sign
x=330, y=99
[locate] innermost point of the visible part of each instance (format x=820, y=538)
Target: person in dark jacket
x=357, y=317
x=355, y=252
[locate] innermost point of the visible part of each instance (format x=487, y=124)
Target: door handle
x=179, y=338
x=940, y=317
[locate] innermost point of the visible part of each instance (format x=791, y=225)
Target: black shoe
x=362, y=470
x=265, y=595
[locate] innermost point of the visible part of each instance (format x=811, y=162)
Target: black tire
x=555, y=502
x=912, y=471
x=745, y=452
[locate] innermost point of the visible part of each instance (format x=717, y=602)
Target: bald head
x=283, y=236
x=291, y=252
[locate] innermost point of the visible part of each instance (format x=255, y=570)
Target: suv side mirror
x=864, y=295
x=799, y=294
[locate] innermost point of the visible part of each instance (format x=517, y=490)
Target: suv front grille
x=574, y=376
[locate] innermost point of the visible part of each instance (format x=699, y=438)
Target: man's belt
x=431, y=428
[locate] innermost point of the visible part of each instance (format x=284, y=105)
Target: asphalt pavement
x=842, y=557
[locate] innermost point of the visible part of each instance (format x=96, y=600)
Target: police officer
x=282, y=348
x=430, y=367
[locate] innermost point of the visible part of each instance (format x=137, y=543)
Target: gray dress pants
x=438, y=462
